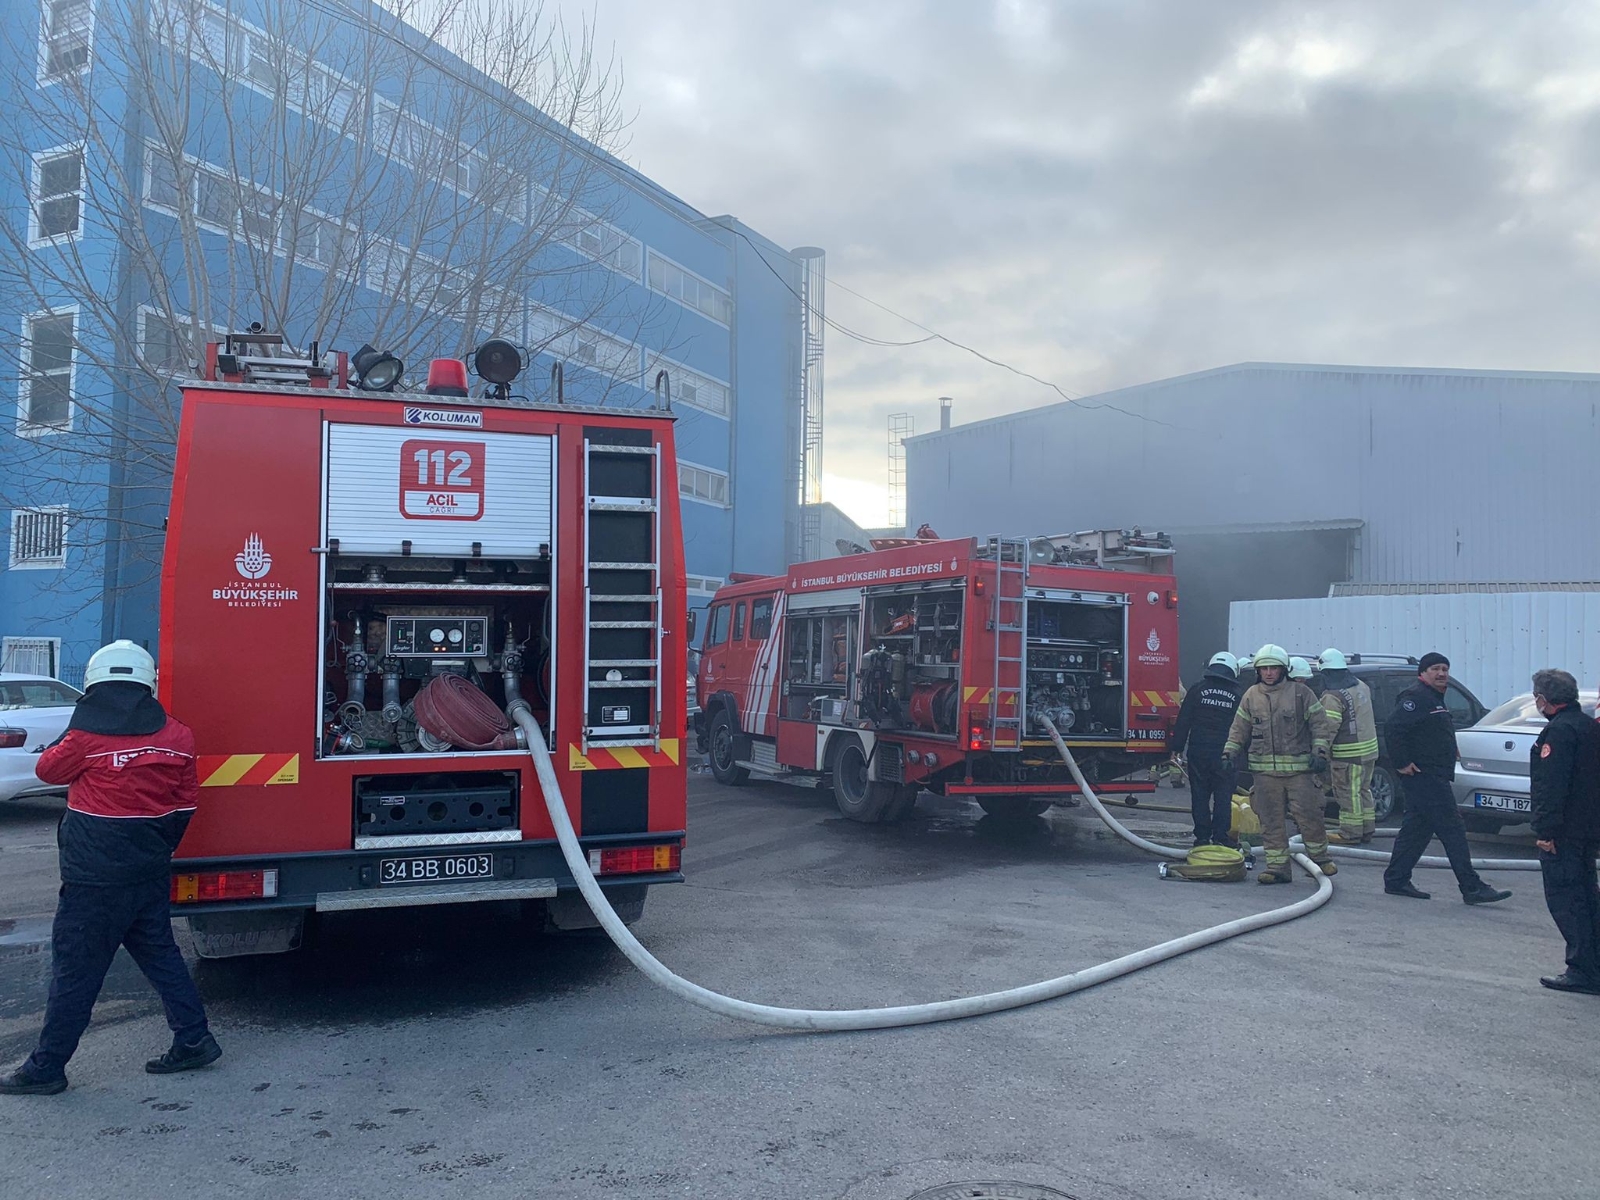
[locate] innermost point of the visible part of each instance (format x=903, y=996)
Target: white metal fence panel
x=1495, y=641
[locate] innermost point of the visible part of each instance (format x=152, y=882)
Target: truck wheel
x=1013, y=808
x=1385, y=795
x=724, y=767
x=858, y=797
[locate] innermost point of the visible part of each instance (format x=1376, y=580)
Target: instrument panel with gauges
x=430, y=636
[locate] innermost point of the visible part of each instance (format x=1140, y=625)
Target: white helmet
x=1332, y=660
x=1299, y=668
x=1223, y=659
x=121, y=661
x=1271, y=655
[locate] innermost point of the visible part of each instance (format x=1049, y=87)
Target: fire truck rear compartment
x=395, y=626
x=1077, y=668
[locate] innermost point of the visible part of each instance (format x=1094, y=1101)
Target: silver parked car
x=34, y=711
x=1492, y=777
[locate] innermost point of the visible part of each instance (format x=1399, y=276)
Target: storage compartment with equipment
x=1076, y=665
x=910, y=678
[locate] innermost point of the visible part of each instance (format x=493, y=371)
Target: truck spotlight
x=497, y=361
x=376, y=370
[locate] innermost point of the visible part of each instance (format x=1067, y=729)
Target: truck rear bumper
x=346, y=880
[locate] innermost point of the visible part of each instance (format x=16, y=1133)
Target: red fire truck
x=357, y=584
x=930, y=663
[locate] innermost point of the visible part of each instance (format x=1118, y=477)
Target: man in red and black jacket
x=132, y=788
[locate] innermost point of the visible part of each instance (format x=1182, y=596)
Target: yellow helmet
x=1299, y=668
x=1270, y=655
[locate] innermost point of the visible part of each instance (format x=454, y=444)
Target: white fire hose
x=899, y=1015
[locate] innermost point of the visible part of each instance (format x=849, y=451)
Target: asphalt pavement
x=1380, y=1047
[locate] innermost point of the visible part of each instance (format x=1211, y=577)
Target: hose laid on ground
x=1430, y=860
x=899, y=1015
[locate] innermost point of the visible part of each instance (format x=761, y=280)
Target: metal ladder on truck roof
x=622, y=690
x=1006, y=701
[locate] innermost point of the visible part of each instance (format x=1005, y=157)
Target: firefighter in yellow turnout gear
x=1354, y=754
x=1284, y=733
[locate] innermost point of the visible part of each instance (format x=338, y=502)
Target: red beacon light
x=447, y=377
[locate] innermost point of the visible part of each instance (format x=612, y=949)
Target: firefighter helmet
x=1270, y=655
x=1332, y=660
x=1299, y=668
x=1223, y=659
x=121, y=661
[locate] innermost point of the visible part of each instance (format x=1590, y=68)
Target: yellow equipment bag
x=1207, y=864
x=1244, y=819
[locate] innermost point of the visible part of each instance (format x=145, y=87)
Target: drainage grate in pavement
x=991, y=1190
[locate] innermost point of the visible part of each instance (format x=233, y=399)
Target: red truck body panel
x=245, y=642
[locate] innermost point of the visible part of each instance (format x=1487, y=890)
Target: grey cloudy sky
x=1108, y=191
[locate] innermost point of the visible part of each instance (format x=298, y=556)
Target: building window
x=702, y=585
x=612, y=247
x=668, y=278
x=702, y=484
x=692, y=388
x=167, y=345
x=31, y=656
x=67, y=28
x=38, y=537
x=47, y=375
x=57, y=194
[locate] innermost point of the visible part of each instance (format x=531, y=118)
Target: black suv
x=1388, y=675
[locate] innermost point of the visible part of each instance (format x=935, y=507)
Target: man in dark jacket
x=1201, y=732
x=1422, y=745
x=1564, y=772
x=132, y=788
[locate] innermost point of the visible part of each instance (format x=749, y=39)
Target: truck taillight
x=975, y=737
x=636, y=860
x=13, y=739
x=1172, y=598
x=205, y=886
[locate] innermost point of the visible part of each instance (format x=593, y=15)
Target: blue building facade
x=181, y=168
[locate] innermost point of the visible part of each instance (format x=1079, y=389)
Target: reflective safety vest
x=1357, y=734
x=1281, y=726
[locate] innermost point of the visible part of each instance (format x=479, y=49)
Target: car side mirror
x=694, y=624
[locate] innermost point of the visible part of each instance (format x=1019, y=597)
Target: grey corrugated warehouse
x=1279, y=480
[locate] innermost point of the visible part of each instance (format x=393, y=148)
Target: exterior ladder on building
x=1008, y=617
x=622, y=616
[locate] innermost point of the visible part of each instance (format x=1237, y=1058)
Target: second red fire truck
x=931, y=664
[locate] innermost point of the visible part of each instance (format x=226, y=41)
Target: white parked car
x=1492, y=784
x=34, y=711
